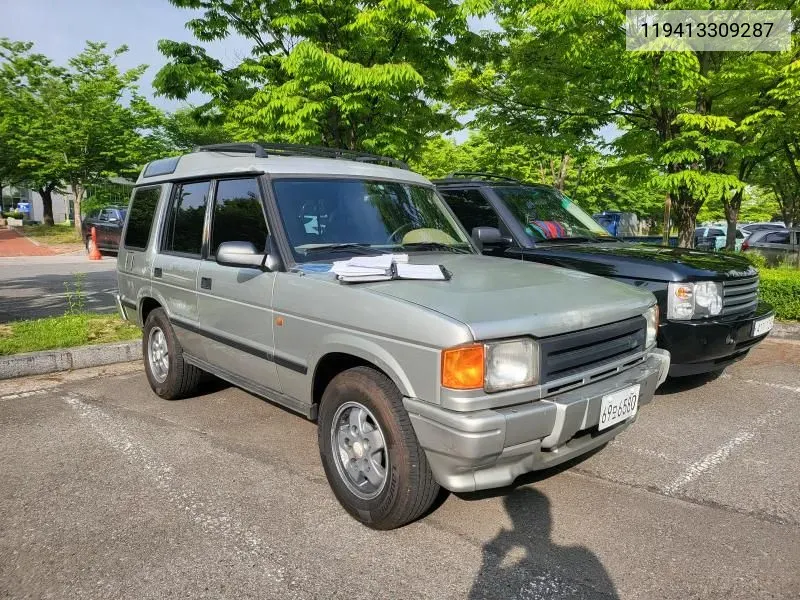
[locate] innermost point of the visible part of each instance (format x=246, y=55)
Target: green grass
x=55, y=234
x=64, y=332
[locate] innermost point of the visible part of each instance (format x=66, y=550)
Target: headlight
x=493, y=366
x=694, y=300
x=651, y=316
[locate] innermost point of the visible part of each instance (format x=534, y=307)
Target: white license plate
x=762, y=326
x=618, y=406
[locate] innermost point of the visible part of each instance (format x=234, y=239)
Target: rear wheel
x=170, y=376
x=369, y=451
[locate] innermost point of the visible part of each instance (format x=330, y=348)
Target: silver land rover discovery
x=464, y=382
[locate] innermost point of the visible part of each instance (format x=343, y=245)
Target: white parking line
x=777, y=386
x=200, y=510
x=720, y=455
x=22, y=395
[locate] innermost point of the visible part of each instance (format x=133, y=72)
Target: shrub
x=758, y=260
x=14, y=214
x=781, y=288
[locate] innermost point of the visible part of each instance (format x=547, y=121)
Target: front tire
x=169, y=375
x=371, y=456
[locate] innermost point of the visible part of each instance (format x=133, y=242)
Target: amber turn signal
x=462, y=367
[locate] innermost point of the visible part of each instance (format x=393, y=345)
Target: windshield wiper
x=566, y=240
x=435, y=246
x=352, y=248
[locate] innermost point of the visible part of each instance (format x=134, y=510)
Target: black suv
x=710, y=312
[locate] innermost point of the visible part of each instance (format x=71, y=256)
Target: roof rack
x=479, y=174
x=262, y=150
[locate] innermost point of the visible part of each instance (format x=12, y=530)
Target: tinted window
x=715, y=232
x=184, y=232
x=142, y=209
x=238, y=216
x=546, y=213
x=472, y=209
x=779, y=237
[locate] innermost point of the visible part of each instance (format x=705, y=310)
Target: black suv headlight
x=687, y=301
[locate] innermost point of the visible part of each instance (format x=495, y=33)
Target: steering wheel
x=393, y=237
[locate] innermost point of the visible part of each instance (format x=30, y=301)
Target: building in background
x=13, y=196
x=116, y=191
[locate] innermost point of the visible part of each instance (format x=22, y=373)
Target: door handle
x=205, y=283
x=157, y=272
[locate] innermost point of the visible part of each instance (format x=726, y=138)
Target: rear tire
x=169, y=375
x=364, y=431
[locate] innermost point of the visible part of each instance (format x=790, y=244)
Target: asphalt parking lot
x=32, y=287
x=109, y=492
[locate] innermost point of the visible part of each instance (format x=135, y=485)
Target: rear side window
x=142, y=210
x=472, y=209
x=238, y=216
x=779, y=237
x=715, y=232
x=187, y=211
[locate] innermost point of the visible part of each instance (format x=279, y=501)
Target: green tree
x=562, y=67
x=70, y=125
x=27, y=84
x=368, y=76
x=185, y=129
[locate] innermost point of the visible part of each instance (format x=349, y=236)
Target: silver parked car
x=776, y=245
x=492, y=370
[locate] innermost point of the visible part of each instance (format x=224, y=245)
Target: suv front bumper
x=469, y=451
x=702, y=346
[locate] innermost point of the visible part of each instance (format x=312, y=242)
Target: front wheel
x=369, y=451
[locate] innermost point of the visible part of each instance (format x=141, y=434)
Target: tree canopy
x=370, y=76
x=68, y=125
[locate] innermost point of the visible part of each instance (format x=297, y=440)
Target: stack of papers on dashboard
x=384, y=267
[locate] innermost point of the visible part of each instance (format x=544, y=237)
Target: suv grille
x=572, y=353
x=739, y=296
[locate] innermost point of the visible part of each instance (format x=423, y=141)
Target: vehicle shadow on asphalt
x=523, y=562
x=676, y=385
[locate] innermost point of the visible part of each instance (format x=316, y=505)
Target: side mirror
x=240, y=254
x=490, y=236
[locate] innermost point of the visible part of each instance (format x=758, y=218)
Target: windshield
x=325, y=218
x=547, y=214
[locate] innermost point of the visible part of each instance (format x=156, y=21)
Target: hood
x=642, y=261
x=497, y=297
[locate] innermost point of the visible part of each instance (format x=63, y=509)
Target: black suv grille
x=573, y=353
x=739, y=296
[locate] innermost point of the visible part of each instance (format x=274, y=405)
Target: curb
x=785, y=331
x=66, y=359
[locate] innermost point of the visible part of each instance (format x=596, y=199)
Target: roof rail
x=248, y=148
x=262, y=150
x=479, y=174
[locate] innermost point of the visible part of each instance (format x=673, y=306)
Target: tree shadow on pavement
x=46, y=295
x=523, y=562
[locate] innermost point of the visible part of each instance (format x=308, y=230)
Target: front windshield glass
x=326, y=218
x=547, y=214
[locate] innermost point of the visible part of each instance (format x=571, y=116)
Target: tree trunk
x=667, y=220
x=77, y=193
x=46, y=193
x=562, y=173
x=685, y=210
x=732, y=207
